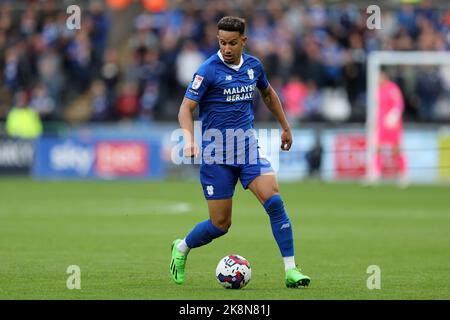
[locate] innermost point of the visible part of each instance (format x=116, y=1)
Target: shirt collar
x=235, y=67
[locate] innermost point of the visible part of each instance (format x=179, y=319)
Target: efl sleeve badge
x=197, y=82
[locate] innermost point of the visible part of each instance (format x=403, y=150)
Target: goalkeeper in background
x=223, y=88
x=389, y=131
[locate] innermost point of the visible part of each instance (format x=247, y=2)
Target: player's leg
x=218, y=186
x=378, y=166
x=220, y=213
x=377, y=162
x=216, y=226
x=203, y=233
x=400, y=159
x=265, y=188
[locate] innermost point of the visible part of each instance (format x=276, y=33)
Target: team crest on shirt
x=197, y=82
x=210, y=190
x=251, y=74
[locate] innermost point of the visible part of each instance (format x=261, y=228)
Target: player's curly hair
x=229, y=23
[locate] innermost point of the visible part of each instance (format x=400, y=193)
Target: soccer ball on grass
x=233, y=272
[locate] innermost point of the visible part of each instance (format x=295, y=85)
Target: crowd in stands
x=44, y=60
x=314, y=54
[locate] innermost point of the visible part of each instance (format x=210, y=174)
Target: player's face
x=231, y=45
x=382, y=78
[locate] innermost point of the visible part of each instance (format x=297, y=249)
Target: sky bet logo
x=70, y=156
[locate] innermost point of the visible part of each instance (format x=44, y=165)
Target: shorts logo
x=197, y=82
x=250, y=74
x=210, y=190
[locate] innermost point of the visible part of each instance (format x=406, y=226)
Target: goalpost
x=375, y=60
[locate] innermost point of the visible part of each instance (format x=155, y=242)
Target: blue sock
x=203, y=233
x=281, y=225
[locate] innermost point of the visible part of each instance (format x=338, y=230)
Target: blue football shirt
x=225, y=93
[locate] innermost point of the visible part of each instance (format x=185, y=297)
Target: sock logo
x=285, y=226
x=210, y=190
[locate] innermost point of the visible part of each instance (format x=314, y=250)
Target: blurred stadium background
x=122, y=76
x=101, y=102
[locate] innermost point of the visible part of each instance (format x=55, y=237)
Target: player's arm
x=273, y=103
x=186, y=121
x=394, y=115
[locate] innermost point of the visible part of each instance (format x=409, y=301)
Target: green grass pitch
x=119, y=234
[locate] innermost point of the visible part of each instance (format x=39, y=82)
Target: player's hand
x=286, y=140
x=191, y=150
x=392, y=119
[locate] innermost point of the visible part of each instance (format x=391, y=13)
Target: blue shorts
x=219, y=180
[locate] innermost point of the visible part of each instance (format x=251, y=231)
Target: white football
x=233, y=272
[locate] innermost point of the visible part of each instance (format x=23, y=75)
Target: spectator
x=99, y=32
x=308, y=63
x=148, y=101
x=50, y=32
x=22, y=121
x=406, y=17
x=42, y=102
x=188, y=61
x=110, y=73
x=428, y=88
x=127, y=105
x=11, y=71
x=355, y=75
x=151, y=70
x=294, y=93
x=143, y=38
x=79, y=60
x=314, y=157
x=313, y=102
x=100, y=103
x=333, y=57
x=50, y=74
